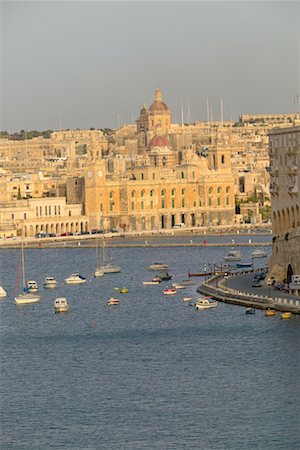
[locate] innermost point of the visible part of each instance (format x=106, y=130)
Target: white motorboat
x=205, y=303
x=258, y=254
x=26, y=297
x=179, y=286
x=3, y=292
x=32, y=286
x=61, y=305
x=113, y=301
x=50, y=283
x=150, y=282
x=75, y=278
x=158, y=266
x=187, y=299
x=170, y=291
x=233, y=255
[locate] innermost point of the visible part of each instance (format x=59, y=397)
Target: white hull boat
x=61, y=305
x=113, y=301
x=50, y=283
x=258, y=254
x=110, y=268
x=158, y=266
x=3, y=292
x=27, y=298
x=75, y=278
x=151, y=282
x=233, y=256
x=205, y=303
x=32, y=286
x=178, y=286
x=98, y=272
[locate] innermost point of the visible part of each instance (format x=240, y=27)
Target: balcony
x=274, y=190
x=293, y=170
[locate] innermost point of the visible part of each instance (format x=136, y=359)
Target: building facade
x=284, y=151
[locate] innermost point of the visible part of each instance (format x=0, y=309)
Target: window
x=41, y=211
x=59, y=210
x=46, y=210
x=36, y=210
x=153, y=176
x=151, y=193
x=227, y=189
x=219, y=201
x=209, y=201
x=151, y=204
x=163, y=203
x=12, y=216
x=132, y=193
x=223, y=159
x=49, y=210
x=173, y=191
x=164, y=161
x=142, y=205
x=173, y=203
x=132, y=205
x=142, y=193
x=111, y=206
x=210, y=190
x=142, y=176
x=219, y=190
x=25, y=217
x=193, y=174
x=111, y=195
x=194, y=204
x=101, y=207
x=182, y=202
x=70, y=212
x=227, y=200
x=182, y=174
x=182, y=191
x=163, y=192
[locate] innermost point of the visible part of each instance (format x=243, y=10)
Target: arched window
x=219, y=201
x=227, y=189
x=163, y=192
x=182, y=174
x=173, y=192
x=143, y=193
x=111, y=194
x=151, y=193
x=223, y=159
x=209, y=201
x=210, y=190
x=142, y=176
x=132, y=193
x=182, y=191
x=164, y=161
x=219, y=190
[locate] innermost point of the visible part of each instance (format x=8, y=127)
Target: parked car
x=256, y=283
x=279, y=285
x=95, y=231
x=113, y=230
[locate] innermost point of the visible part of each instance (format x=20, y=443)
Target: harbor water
x=149, y=373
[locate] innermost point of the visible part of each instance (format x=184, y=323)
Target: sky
x=94, y=64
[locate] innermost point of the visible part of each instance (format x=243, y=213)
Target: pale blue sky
x=85, y=63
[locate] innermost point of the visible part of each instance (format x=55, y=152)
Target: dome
x=158, y=105
x=159, y=141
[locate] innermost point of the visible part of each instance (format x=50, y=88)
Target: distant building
x=284, y=150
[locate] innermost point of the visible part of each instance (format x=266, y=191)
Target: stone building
x=284, y=150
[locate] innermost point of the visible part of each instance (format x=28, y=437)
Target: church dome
x=159, y=141
x=158, y=105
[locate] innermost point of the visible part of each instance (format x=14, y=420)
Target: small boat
x=75, y=278
x=243, y=265
x=179, y=286
x=61, y=305
x=32, y=286
x=205, y=303
x=113, y=301
x=259, y=254
x=3, y=292
x=151, y=282
x=123, y=290
x=98, y=272
x=50, y=283
x=250, y=311
x=233, y=255
x=158, y=266
x=156, y=279
x=200, y=274
x=286, y=315
x=164, y=276
x=187, y=282
x=26, y=297
x=170, y=291
x=110, y=268
x=187, y=299
x=270, y=312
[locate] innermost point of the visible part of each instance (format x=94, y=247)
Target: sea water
x=150, y=373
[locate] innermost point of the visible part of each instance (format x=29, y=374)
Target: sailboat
x=98, y=270
x=108, y=268
x=26, y=297
x=3, y=292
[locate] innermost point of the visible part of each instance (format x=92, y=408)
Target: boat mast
x=23, y=262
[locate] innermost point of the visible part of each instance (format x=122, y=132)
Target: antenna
x=207, y=109
x=222, y=118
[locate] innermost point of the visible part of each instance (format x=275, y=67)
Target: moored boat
x=3, y=292
x=179, y=286
x=151, y=282
x=258, y=254
x=250, y=311
x=164, y=276
x=170, y=291
x=98, y=272
x=187, y=299
x=205, y=303
x=27, y=298
x=32, y=286
x=75, y=278
x=123, y=290
x=113, y=301
x=286, y=315
x=110, y=268
x=50, y=283
x=61, y=305
x=233, y=255
x=158, y=266
x=270, y=312
x=243, y=265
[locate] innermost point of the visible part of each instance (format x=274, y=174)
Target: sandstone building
x=284, y=149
